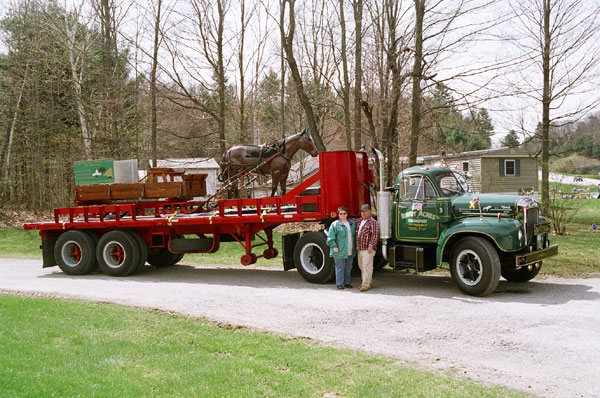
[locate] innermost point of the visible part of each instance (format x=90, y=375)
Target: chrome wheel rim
x=114, y=254
x=71, y=253
x=312, y=258
x=469, y=268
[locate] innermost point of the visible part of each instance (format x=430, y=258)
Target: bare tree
x=357, y=6
x=558, y=40
x=288, y=45
x=157, y=40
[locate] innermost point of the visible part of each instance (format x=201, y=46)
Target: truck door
x=417, y=216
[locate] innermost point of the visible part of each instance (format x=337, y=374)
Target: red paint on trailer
x=343, y=179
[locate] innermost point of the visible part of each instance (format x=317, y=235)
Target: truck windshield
x=452, y=183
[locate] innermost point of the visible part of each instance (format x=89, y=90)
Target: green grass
x=61, y=348
x=16, y=242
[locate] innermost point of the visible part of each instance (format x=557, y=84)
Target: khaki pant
x=365, y=263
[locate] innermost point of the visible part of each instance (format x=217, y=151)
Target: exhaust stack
x=384, y=204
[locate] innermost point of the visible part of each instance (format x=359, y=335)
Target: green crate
x=99, y=171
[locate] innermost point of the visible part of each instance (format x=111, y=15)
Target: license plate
x=536, y=256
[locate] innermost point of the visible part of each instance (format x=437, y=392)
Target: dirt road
x=542, y=337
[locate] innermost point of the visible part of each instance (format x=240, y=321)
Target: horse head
x=307, y=143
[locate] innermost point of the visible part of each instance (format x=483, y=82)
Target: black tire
x=162, y=257
x=475, y=266
x=95, y=238
x=117, y=253
x=74, y=252
x=521, y=274
x=143, y=251
x=312, y=260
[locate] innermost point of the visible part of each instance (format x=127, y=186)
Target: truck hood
x=507, y=205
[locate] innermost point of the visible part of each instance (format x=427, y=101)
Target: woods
x=171, y=78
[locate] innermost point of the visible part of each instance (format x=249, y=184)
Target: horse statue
x=276, y=157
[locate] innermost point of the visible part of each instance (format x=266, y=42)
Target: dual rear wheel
x=116, y=253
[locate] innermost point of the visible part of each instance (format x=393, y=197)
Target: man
x=367, y=236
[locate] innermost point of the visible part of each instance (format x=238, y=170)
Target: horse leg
x=274, y=182
x=283, y=183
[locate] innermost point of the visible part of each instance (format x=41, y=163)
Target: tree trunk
x=415, y=121
x=546, y=99
x=153, y=82
x=346, y=88
x=13, y=124
x=221, y=77
x=288, y=41
x=243, y=137
x=358, y=9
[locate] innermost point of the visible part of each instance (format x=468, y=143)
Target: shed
x=503, y=170
x=196, y=165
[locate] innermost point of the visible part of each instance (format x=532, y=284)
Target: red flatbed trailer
x=121, y=236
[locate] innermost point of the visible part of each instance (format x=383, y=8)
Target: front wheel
x=522, y=274
x=475, y=266
x=311, y=256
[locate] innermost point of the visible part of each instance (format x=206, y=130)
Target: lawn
x=62, y=348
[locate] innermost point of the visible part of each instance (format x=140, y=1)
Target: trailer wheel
x=522, y=274
x=475, y=266
x=117, y=253
x=74, y=253
x=95, y=238
x=161, y=257
x=142, y=249
x=311, y=256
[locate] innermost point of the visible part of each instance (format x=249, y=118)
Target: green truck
x=430, y=217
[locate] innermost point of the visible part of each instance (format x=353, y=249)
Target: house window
x=465, y=166
x=509, y=167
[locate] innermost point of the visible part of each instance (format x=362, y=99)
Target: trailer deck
x=343, y=179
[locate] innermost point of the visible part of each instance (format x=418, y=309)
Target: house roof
x=187, y=163
x=483, y=153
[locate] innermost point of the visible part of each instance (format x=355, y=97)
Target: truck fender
x=503, y=233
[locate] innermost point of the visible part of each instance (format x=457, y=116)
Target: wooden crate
x=126, y=191
x=91, y=192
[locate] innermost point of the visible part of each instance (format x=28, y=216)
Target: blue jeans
x=343, y=266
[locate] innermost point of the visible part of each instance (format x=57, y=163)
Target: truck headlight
x=540, y=239
x=520, y=235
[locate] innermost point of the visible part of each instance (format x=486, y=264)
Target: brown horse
x=243, y=158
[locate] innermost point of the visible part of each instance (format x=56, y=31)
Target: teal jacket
x=337, y=236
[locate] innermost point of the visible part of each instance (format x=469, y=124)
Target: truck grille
x=530, y=221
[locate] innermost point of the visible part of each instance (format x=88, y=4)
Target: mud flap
x=48, y=242
x=289, y=244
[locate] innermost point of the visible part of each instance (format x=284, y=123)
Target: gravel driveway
x=542, y=337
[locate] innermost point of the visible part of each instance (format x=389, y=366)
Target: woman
x=341, y=240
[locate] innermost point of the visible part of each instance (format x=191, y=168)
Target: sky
x=518, y=112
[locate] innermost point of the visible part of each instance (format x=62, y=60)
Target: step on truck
x=428, y=218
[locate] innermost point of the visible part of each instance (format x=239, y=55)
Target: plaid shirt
x=368, y=236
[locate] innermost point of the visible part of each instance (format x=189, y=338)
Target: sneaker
x=340, y=287
x=364, y=288
x=349, y=286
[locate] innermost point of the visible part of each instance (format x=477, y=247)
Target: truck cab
x=435, y=219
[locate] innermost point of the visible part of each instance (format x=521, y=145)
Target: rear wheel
x=475, y=266
x=142, y=248
x=311, y=256
x=162, y=257
x=117, y=253
x=74, y=252
x=522, y=274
